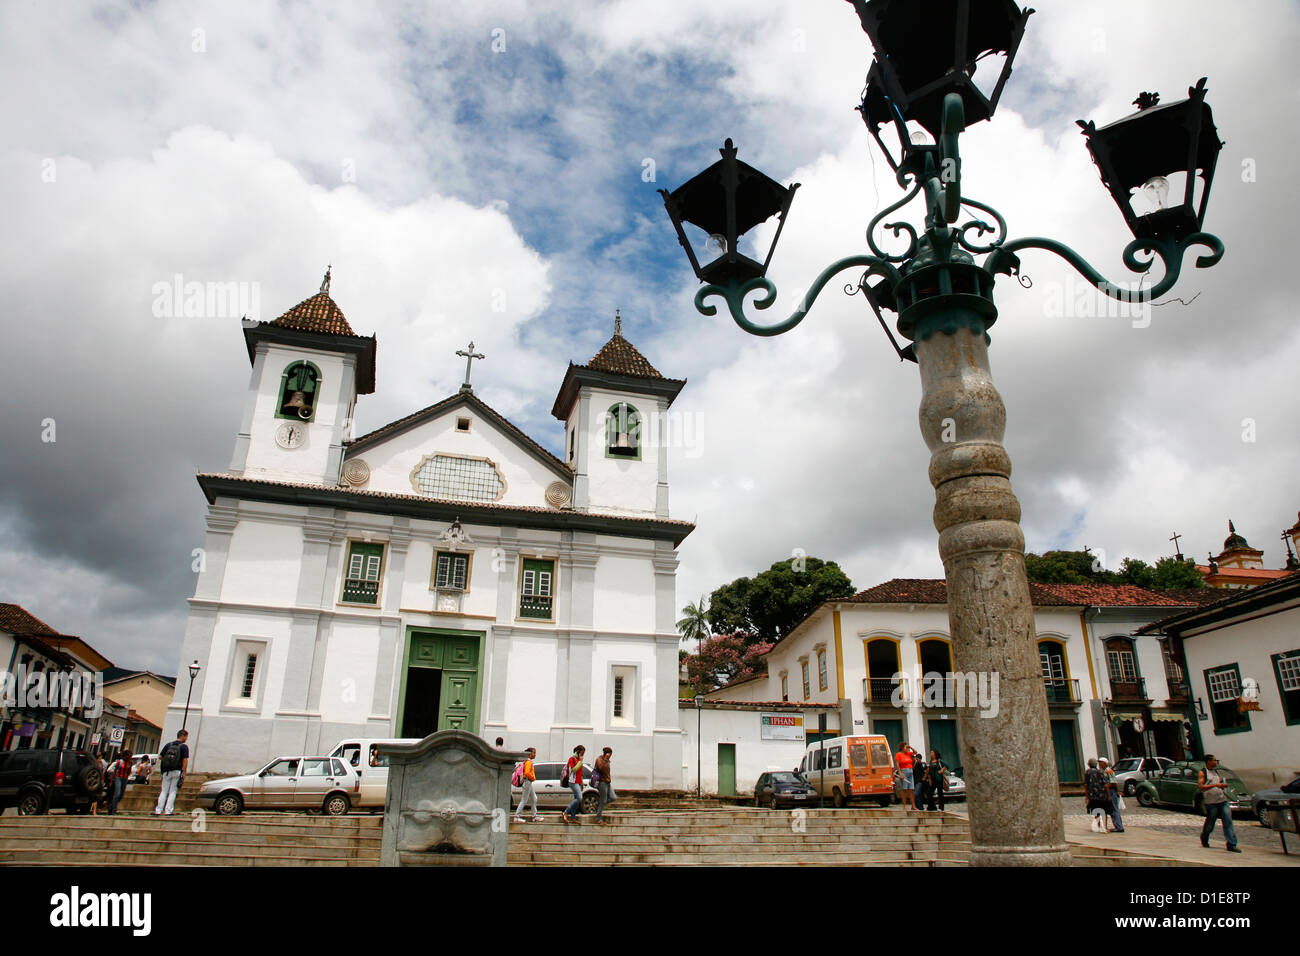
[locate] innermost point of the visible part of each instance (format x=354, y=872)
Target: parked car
x=37, y=781
x=551, y=794
x=1131, y=771
x=153, y=765
x=327, y=784
x=783, y=788
x=1288, y=791
x=1176, y=786
x=956, y=789
x=366, y=756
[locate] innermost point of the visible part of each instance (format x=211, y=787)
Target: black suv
x=36, y=781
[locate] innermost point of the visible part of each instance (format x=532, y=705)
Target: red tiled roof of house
x=1260, y=574
x=935, y=591
x=621, y=357
x=319, y=313
x=16, y=620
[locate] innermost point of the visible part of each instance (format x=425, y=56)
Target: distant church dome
x=1234, y=541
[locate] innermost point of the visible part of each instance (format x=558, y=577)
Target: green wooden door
x=943, y=738
x=893, y=731
x=455, y=656
x=1067, y=757
x=726, y=770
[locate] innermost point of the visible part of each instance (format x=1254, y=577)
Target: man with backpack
x=172, y=762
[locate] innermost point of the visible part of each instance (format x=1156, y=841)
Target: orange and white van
x=844, y=769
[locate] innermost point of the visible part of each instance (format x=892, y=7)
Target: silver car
x=327, y=784
x=1130, y=771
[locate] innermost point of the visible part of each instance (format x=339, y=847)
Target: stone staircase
x=143, y=797
x=737, y=836
x=251, y=839
x=730, y=836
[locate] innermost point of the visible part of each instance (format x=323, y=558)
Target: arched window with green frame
x=623, y=432
x=299, y=389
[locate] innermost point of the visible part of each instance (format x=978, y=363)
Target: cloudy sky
x=488, y=171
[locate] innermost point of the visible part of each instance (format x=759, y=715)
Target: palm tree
x=694, y=625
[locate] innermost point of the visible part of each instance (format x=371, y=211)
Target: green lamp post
x=920, y=94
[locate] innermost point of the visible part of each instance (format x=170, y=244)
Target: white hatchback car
x=1131, y=771
x=327, y=784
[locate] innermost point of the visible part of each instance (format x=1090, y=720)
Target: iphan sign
x=782, y=727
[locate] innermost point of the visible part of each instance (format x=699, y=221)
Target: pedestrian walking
x=172, y=764
x=905, y=763
x=572, y=778
x=936, y=780
x=1213, y=789
x=120, y=774
x=605, y=787
x=528, y=779
x=1112, y=789
x=1094, y=784
x=103, y=784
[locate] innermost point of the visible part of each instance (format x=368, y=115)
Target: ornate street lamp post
x=921, y=90
x=194, y=672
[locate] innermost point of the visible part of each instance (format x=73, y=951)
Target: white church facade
x=443, y=571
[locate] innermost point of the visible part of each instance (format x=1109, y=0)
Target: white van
x=366, y=756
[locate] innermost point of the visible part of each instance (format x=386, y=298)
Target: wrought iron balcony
x=881, y=691
x=1062, y=690
x=1132, y=689
x=1179, y=690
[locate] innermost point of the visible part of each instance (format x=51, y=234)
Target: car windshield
x=788, y=779
x=1129, y=763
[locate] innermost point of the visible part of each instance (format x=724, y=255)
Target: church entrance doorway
x=441, y=683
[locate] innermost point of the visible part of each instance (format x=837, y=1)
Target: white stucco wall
x=263, y=563
x=619, y=485
x=754, y=755
x=266, y=459
x=1270, y=748
x=625, y=594
x=392, y=460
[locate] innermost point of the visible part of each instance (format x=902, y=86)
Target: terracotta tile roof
x=316, y=314
x=1200, y=596
x=934, y=591
x=1261, y=574
x=467, y=507
x=16, y=620
x=621, y=357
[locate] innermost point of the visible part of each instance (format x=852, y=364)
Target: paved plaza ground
x=1175, y=834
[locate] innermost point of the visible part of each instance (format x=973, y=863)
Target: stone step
x=180, y=858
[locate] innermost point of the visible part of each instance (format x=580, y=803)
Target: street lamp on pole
x=194, y=672
x=699, y=741
x=920, y=90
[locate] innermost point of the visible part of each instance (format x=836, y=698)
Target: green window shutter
x=452, y=571
x=364, y=564
x=535, y=601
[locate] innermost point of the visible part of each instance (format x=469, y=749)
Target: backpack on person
x=564, y=776
x=517, y=778
x=170, y=758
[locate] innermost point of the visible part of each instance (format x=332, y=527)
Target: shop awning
x=1174, y=718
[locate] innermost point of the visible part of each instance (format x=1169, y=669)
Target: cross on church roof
x=618, y=322
x=1177, y=551
x=470, y=356
x=325, y=283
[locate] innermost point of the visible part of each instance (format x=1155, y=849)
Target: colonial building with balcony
x=32, y=653
x=885, y=656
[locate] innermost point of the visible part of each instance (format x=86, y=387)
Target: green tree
x=694, y=624
x=722, y=658
x=768, y=605
x=1172, y=573
x=1082, y=567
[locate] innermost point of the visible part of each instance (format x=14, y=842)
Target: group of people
x=921, y=782
x=571, y=777
x=116, y=775
x=1105, y=802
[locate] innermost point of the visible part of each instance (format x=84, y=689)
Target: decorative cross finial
x=470, y=356
x=325, y=283
x=1231, y=529
x=618, y=323
x=1146, y=100
x=1177, y=551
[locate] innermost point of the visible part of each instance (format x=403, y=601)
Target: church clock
x=290, y=435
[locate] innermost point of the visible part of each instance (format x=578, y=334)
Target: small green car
x=1177, y=787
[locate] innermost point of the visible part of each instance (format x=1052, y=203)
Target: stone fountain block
x=448, y=802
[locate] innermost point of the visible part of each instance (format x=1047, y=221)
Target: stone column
x=1015, y=806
